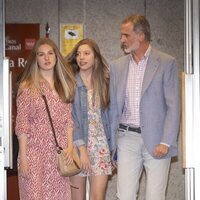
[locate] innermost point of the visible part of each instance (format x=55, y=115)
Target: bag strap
x=50, y=119
x=54, y=134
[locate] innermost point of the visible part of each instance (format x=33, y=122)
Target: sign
x=70, y=34
x=19, y=40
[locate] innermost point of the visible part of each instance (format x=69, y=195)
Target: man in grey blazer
x=145, y=111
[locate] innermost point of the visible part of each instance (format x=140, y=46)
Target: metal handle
x=7, y=114
x=188, y=38
x=189, y=184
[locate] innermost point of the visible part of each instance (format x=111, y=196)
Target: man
x=146, y=97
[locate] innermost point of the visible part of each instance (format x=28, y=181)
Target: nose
x=122, y=39
x=46, y=57
x=81, y=55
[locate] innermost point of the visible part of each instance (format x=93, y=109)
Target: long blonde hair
x=64, y=81
x=100, y=74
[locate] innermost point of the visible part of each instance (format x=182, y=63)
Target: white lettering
x=21, y=62
x=11, y=63
x=13, y=47
x=10, y=41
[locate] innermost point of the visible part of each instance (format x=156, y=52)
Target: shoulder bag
x=64, y=168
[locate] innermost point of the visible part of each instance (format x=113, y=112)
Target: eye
x=51, y=53
x=40, y=54
x=77, y=54
x=87, y=53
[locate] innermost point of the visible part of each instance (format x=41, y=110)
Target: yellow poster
x=70, y=34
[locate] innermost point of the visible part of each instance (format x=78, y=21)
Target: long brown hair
x=100, y=74
x=64, y=81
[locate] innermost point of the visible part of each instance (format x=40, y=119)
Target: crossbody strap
x=54, y=134
x=50, y=119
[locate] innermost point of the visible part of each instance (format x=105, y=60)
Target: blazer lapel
x=121, y=82
x=152, y=66
x=124, y=73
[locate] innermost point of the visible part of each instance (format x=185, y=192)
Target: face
x=85, y=58
x=130, y=40
x=46, y=58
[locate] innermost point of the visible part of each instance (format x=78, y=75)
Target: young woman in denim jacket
x=91, y=122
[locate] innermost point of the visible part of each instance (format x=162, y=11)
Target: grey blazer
x=160, y=99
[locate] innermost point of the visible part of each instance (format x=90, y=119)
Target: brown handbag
x=64, y=168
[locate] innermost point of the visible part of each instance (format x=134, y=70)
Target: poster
x=70, y=34
x=19, y=40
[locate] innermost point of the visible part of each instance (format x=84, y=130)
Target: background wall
x=101, y=20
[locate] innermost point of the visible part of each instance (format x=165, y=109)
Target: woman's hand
x=85, y=161
x=68, y=152
x=23, y=164
x=114, y=159
x=23, y=167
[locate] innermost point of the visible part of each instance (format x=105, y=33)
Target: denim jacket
x=80, y=116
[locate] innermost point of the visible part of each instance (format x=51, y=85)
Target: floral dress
x=43, y=181
x=97, y=146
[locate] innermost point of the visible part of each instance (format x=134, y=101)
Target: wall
x=101, y=20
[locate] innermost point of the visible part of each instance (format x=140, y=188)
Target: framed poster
x=70, y=34
x=19, y=40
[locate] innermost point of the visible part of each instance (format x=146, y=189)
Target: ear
x=141, y=37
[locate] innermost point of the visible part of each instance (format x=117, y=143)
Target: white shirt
x=131, y=110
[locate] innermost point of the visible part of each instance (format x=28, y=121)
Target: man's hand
x=161, y=150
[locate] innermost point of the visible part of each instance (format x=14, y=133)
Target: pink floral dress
x=43, y=181
x=97, y=146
